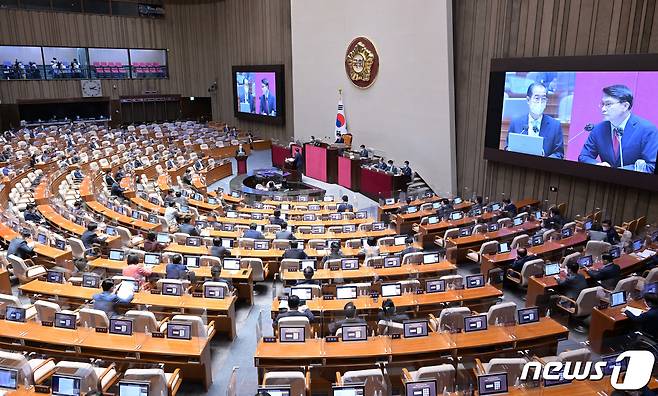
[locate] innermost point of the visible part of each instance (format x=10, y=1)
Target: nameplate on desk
x=41, y=389
x=420, y=291
x=197, y=294
x=374, y=294
x=377, y=266
x=46, y=324
x=269, y=339
x=603, y=305
x=157, y=334
x=155, y=291
x=331, y=338
x=395, y=336
x=292, y=269
x=327, y=297
x=101, y=329
x=2, y=317
x=334, y=268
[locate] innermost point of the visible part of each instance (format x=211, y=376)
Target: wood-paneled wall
x=486, y=29
x=204, y=38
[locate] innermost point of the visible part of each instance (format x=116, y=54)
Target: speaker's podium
x=295, y=175
x=241, y=160
x=322, y=161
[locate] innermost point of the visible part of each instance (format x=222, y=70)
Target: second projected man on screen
x=536, y=123
x=622, y=140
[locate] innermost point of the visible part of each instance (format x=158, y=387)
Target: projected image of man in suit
x=536, y=123
x=623, y=139
x=267, y=100
x=246, y=96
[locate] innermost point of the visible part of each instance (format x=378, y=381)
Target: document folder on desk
x=525, y=144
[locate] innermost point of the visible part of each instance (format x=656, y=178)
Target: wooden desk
x=68, y=227
x=549, y=249
x=132, y=224
x=46, y=255
x=242, y=280
x=457, y=248
x=608, y=323
x=389, y=209
x=370, y=273
x=221, y=311
x=329, y=357
x=538, y=287
x=192, y=357
x=5, y=283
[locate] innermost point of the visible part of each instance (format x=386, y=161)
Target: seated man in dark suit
x=409, y=247
x=364, y=152
x=556, y=221
x=509, y=207
x=293, y=253
x=536, y=123
x=151, y=243
x=350, y=318
x=389, y=313
x=89, y=237
x=612, y=235
x=217, y=250
x=574, y=283
x=31, y=214
x=276, y=218
x=253, y=232
x=20, y=247
x=176, y=269
x=406, y=169
x=345, y=206
x=109, y=180
x=284, y=233
x=188, y=228
x=117, y=190
x=293, y=310
x=647, y=322
x=609, y=274
x=522, y=257
x=623, y=140
x=391, y=167
x=308, y=277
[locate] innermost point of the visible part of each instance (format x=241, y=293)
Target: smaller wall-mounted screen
x=66, y=62
x=148, y=63
x=258, y=93
x=109, y=63
x=21, y=63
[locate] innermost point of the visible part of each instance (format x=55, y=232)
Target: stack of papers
x=646, y=253
x=634, y=311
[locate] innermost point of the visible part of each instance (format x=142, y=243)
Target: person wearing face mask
x=536, y=123
x=612, y=235
x=622, y=140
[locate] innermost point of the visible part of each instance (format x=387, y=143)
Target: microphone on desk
x=587, y=128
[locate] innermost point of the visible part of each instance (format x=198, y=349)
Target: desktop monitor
x=121, y=326
x=399, y=240
x=231, y=263
x=611, y=363
x=60, y=244
x=537, y=215
x=537, y=240
x=335, y=216
x=172, y=289
x=42, y=239
x=421, y=388
x=154, y=201
x=432, y=220
x=349, y=390
x=235, y=194
x=566, y=232
x=457, y=201
x=328, y=198
x=654, y=236
x=304, y=293
x=292, y=334
x=135, y=215
x=491, y=384
x=618, y=298
x=185, y=209
x=116, y=254
x=54, y=276
x=415, y=328
x=473, y=281
x=133, y=388
x=412, y=209
x=65, y=320
x=355, y=332
x=257, y=216
x=231, y=214
x=179, y=330
x=212, y=291
x=477, y=212
x=392, y=262
x=517, y=221
x=192, y=261
x=228, y=227
x=430, y=258
x=152, y=258
x=321, y=244
x=551, y=269
x=163, y=237
x=200, y=224
x=349, y=228
x=285, y=206
x=346, y=292
x=313, y=207
x=91, y=280
x=15, y=314
x=212, y=201
x=637, y=245
x=64, y=385
x=585, y=261
x=615, y=252
x=560, y=381
x=360, y=214
x=317, y=229
x=299, y=244
x=456, y=215
x=389, y=201
x=475, y=323
x=495, y=207
x=302, y=198
x=391, y=290
x=8, y=378
x=493, y=227
x=587, y=225
x=228, y=243
x=349, y=264
x=278, y=390
x=504, y=247
x=308, y=217
x=464, y=231
x=436, y=205
x=306, y=263
x=435, y=285
x=261, y=245
x=379, y=226
x=528, y=315
x=650, y=288
x=192, y=241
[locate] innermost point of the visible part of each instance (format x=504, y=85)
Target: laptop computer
x=526, y=144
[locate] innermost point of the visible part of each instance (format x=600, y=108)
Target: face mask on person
x=537, y=108
x=605, y=228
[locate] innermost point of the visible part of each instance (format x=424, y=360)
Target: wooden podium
x=242, y=163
